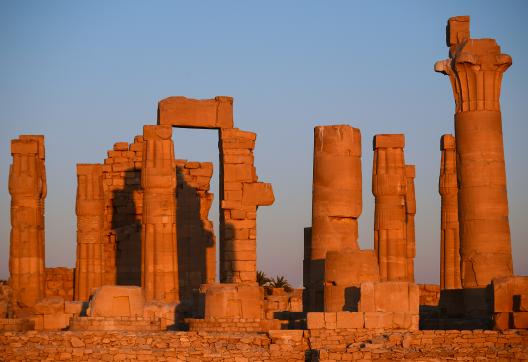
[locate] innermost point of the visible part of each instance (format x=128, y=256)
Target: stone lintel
x=185, y=112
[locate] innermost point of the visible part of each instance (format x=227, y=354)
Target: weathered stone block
x=523, y=303
x=55, y=321
x=197, y=113
x=520, y=320
x=501, y=321
x=234, y=301
x=403, y=320
x=390, y=297
x=379, y=320
x=257, y=194
x=73, y=307
x=121, y=146
x=367, y=302
x=117, y=301
x=389, y=141
x=315, y=320
x=504, y=290
x=350, y=320
x=51, y=305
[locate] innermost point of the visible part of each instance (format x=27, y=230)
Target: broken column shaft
x=27, y=186
x=336, y=200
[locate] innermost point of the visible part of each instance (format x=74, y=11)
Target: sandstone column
x=27, y=186
x=90, y=224
x=475, y=68
x=336, y=200
x=389, y=186
x=158, y=180
x=450, y=242
x=410, y=210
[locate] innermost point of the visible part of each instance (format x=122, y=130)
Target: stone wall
x=16, y=325
x=282, y=304
x=231, y=325
x=277, y=345
x=362, y=320
x=338, y=345
x=167, y=346
x=123, y=209
x=59, y=283
x=429, y=294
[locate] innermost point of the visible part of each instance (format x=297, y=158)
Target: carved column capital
x=475, y=68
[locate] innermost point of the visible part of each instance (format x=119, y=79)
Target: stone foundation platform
x=233, y=325
x=278, y=345
x=16, y=325
x=114, y=324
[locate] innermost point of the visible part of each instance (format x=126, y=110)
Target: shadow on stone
x=126, y=226
x=194, y=239
x=352, y=295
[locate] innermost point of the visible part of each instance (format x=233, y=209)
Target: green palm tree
x=262, y=278
x=280, y=282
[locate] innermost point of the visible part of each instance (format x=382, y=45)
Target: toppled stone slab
x=117, y=301
x=234, y=301
x=389, y=297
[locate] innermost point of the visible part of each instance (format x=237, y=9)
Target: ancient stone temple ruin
x=146, y=249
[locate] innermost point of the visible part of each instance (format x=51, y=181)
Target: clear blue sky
x=88, y=74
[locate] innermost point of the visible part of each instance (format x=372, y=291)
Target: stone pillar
x=27, y=186
x=450, y=242
x=240, y=196
x=159, y=267
x=336, y=200
x=475, y=68
x=389, y=186
x=410, y=210
x=89, y=268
